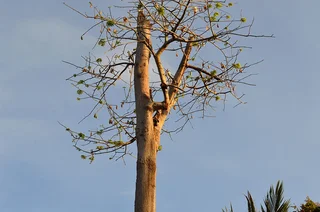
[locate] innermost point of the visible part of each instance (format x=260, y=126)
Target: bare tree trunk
x=145, y=196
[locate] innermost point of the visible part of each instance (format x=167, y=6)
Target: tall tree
x=200, y=34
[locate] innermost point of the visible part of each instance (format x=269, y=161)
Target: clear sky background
x=204, y=168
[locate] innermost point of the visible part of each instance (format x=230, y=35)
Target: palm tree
x=273, y=202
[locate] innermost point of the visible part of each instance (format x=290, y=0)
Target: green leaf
x=243, y=20
x=81, y=135
x=80, y=82
x=160, y=10
x=212, y=18
x=91, y=158
x=118, y=143
x=100, y=147
x=79, y=92
x=219, y=5
x=213, y=73
x=102, y=42
x=99, y=132
x=110, y=22
x=236, y=65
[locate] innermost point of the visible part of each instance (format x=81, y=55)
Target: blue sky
x=204, y=168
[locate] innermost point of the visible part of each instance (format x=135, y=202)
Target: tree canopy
x=194, y=51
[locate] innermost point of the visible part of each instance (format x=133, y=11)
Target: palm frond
x=227, y=210
x=251, y=206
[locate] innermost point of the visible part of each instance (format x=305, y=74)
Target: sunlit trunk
x=145, y=196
